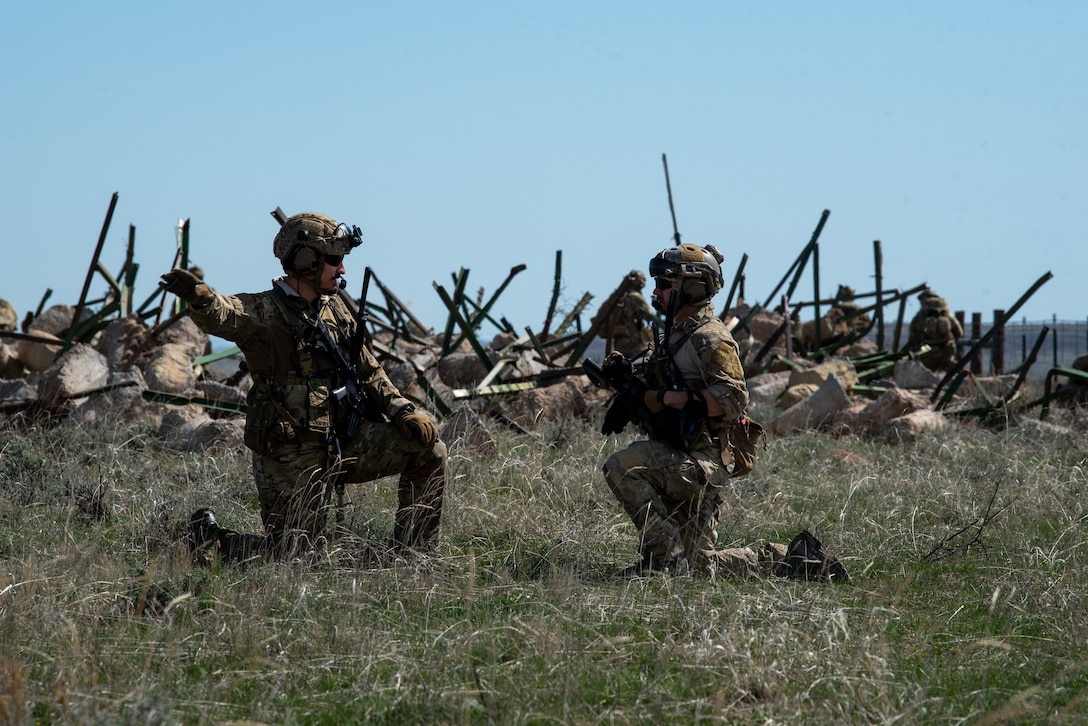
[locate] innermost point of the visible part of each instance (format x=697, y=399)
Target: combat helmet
x=306, y=238
x=635, y=280
x=695, y=270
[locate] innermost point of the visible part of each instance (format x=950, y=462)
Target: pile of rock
x=823, y=398
x=91, y=385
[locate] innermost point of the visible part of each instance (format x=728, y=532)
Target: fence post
x=976, y=333
x=1054, y=340
x=997, y=354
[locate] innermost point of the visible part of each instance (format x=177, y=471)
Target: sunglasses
x=334, y=260
x=661, y=283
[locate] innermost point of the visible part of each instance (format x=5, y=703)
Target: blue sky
x=484, y=135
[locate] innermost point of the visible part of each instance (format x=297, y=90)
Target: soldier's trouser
x=296, y=485
x=939, y=357
x=381, y=450
x=673, y=498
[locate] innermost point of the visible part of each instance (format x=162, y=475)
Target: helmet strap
x=670, y=313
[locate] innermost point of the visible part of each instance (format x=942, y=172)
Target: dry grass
x=967, y=601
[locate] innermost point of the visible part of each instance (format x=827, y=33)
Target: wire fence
x=1065, y=340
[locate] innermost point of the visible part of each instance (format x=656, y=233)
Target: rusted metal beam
x=69, y=336
x=986, y=338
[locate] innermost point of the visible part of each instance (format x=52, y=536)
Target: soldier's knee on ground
x=737, y=561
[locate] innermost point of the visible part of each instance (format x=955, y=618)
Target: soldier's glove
x=416, y=425
x=186, y=286
x=695, y=408
x=616, y=366
x=654, y=400
x=616, y=417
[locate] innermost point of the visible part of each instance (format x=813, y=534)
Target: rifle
x=353, y=393
x=674, y=427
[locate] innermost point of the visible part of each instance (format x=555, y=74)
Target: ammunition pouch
x=937, y=330
x=740, y=445
x=287, y=411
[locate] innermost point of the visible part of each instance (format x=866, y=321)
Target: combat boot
x=203, y=536
x=652, y=565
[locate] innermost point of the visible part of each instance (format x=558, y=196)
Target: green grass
x=968, y=601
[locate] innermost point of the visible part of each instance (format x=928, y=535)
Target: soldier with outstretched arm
x=297, y=411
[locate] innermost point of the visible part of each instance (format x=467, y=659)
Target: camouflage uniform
x=627, y=325
x=936, y=327
x=672, y=497
x=853, y=318
x=291, y=415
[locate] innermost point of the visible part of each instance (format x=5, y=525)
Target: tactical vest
x=295, y=408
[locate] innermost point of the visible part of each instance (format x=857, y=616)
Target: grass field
x=968, y=599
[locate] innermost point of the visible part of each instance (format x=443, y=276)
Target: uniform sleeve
x=374, y=376
x=723, y=371
x=957, y=329
x=230, y=317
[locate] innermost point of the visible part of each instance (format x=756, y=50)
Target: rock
x=912, y=374
x=815, y=411
x=223, y=369
x=52, y=324
x=552, y=402
x=464, y=430
x=114, y=405
x=185, y=332
x=839, y=367
x=795, y=394
x=80, y=369
x=461, y=370
x=858, y=348
x=188, y=429
x=996, y=386
x=890, y=405
x=9, y=316
x=122, y=341
x=37, y=356
x=910, y=426
x=11, y=366
x=169, y=368
x=56, y=320
x=765, y=388
x=764, y=324
x=17, y=395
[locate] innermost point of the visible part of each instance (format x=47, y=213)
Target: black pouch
x=806, y=559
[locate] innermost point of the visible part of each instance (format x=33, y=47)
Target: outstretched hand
x=185, y=285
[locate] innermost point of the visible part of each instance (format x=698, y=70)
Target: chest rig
x=299, y=404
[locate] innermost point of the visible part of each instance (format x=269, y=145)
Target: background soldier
x=854, y=319
x=628, y=323
x=934, y=326
x=295, y=426
x=670, y=485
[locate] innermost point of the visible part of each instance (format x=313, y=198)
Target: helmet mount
x=305, y=239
